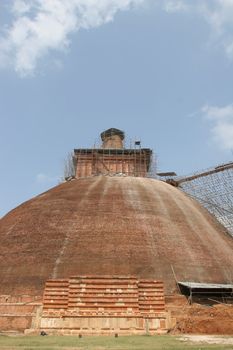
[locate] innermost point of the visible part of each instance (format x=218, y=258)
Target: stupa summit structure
x=100, y=253
x=112, y=158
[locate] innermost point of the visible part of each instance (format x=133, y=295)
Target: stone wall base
x=105, y=325
x=19, y=313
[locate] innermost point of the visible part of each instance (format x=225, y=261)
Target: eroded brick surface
x=111, y=226
x=104, y=304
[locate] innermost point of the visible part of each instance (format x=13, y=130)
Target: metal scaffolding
x=101, y=161
x=213, y=188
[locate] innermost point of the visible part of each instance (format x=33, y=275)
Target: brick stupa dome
x=111, y=225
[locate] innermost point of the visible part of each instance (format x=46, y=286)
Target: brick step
x=102, y=277
x=59, y=301
x=158, y=307
x=151, y=305
x=143, y=281
x=103, y=287
x=109, y=298
x=91, y=293
x=103, y=297
x=148, y=294
x=52, y=289
x=145, y=298
x=100, y=302
x=102, y=314
x=149, y=301
x=151, y=290
x=106, y=311
x=103, y=303
x=54, y=306
x=150, y=283
x=104, y=294
x=56, y=298
x=143, y=290
x=152, y=302
x=55, y=294
x=105, y=282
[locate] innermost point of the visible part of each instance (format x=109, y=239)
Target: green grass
x=101, y=343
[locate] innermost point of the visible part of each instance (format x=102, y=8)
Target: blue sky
x=160, y=70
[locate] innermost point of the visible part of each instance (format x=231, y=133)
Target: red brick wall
x=95, y=164
x=17, y=312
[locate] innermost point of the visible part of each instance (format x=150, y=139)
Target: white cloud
x=40, y=26
x=221, y=119
x=46, y=179
x=21, y=7
x=175, y=6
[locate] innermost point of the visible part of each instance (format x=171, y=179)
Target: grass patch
x=102, y=343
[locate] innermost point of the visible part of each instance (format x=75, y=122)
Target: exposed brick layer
x=104, y=295
x=18, y=313
x=111, y=226
x=96, y=162
x=104, y=304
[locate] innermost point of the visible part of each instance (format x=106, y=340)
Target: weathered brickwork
x=104, y=304
x=128, y=162
x=112, y=158
x=19, y=313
